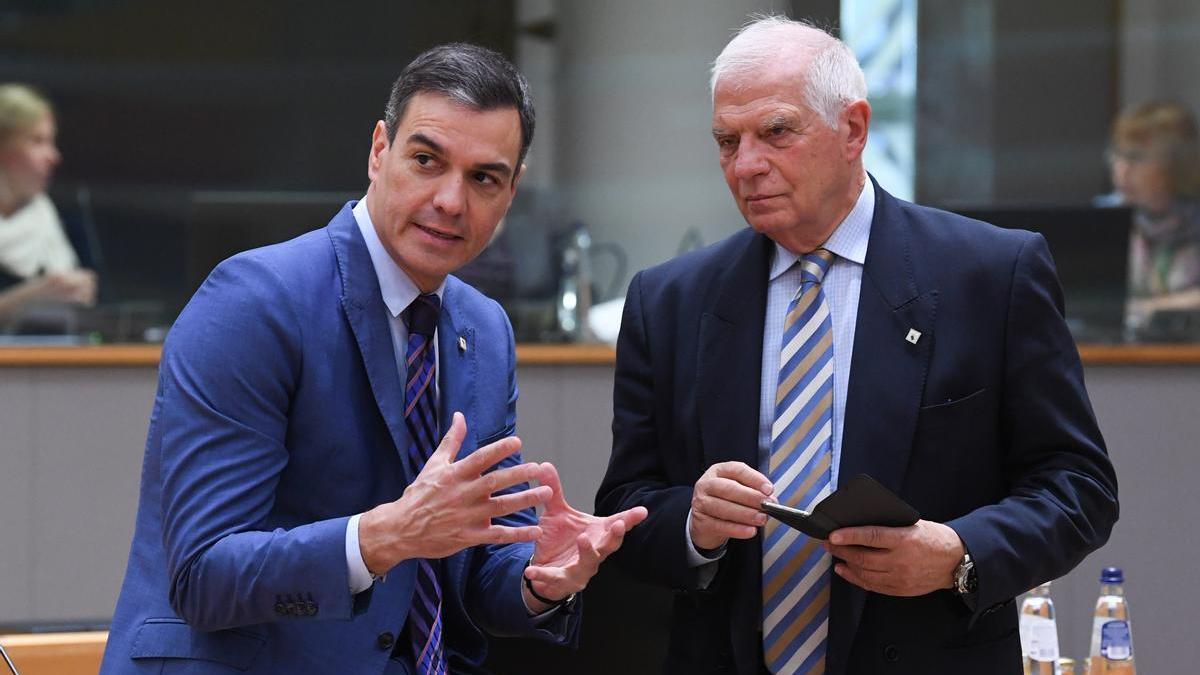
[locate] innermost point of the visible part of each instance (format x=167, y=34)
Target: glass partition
x=191, y=132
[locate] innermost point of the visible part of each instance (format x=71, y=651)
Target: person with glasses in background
x=38, y=266
x=1155, y=162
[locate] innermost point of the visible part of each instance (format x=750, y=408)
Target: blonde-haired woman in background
x=37, y=263
x=1155, y=160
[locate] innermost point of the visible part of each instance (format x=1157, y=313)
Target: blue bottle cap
x=1112, y=575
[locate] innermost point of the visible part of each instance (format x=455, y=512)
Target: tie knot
x=422, y=315
x=813, y=266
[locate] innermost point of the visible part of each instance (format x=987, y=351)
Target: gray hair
x=833, y=78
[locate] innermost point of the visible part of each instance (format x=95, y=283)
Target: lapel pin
x=913, y=335
x=462, y=343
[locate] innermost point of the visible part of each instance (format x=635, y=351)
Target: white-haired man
x=846, y=332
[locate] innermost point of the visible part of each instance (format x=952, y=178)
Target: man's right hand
x=726, y=504
x=450, y=505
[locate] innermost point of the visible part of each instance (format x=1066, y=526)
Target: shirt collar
x=849, y=239
x=397, y=289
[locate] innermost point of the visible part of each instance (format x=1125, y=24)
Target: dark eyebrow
x=425, y=140
x=499, y=167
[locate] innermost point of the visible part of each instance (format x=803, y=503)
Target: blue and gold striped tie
x=420, y=416
x=796, y=568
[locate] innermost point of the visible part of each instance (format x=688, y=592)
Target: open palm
x=573, y=543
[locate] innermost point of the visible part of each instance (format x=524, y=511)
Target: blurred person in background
x=1155, y=160
x=37, y=263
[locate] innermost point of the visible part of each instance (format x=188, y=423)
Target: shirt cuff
x=358, y=575
x=694, y=557
x=705, y=565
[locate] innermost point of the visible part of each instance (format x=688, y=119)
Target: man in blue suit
x=298, y=512
x=846, y=332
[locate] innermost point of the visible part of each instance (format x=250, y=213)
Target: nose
x=451, y=197
x=749, y=160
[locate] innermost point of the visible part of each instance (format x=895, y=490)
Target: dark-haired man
x=318, y=493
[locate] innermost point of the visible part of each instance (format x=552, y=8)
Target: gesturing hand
x=451, y=504
x=573, y=543
x=904, y=561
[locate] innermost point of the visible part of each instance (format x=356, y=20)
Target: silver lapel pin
x=913, y=335
x=462, y=343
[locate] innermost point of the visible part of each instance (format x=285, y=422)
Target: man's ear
x=857, y=120
x=379, y=148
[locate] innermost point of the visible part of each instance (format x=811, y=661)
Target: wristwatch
x=965, y=581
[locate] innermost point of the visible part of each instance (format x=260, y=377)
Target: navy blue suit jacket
x=983, y=424
x=279, y=414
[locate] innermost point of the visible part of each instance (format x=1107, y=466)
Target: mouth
x=436, y=233
x=751, y=199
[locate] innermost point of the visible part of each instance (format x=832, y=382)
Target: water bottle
x=1039, y=633
x=1112, y=641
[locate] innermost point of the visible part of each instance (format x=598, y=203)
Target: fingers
x=549, y=477
x=709, y=533
x=503, y=505
x=862, y=557
x=502, y=479
x=447, y=450
x=734, y=482
x=870, y=536
x=628, y=518
x=488, y=456
x=502, y=534
x=743, y=474
x=721, y=509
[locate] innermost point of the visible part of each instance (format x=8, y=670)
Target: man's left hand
x=902, y=561
x=573, y=543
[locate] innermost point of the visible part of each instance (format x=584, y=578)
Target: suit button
x=891, y=654
x=385, y=640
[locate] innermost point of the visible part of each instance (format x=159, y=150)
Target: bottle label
x=1116, y=643
x=1039, y=636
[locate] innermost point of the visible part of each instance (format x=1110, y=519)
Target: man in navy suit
x=318, y=493
x=846, y=332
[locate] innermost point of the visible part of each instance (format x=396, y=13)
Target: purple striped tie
x=420, y=415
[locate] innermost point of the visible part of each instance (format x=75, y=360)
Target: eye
x=485, y=178
x=423, y=159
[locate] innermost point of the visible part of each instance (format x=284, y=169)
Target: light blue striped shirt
x=841, y=287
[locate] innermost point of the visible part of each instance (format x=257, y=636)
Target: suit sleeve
x=656, y=550
x=1062, y=500
x=495, y=586
x=228, y=373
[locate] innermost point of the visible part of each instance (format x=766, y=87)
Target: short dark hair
x=469, y=74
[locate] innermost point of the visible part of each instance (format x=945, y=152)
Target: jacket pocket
x=172, y=638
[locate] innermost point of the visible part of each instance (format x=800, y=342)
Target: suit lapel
x=729, y=362
x=363, y=305
x=456, y=363
x=887, y=380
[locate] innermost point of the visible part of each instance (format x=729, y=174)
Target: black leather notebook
x=861, y=501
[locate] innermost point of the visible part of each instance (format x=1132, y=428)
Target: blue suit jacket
x=983, y=424
x=279, y=414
